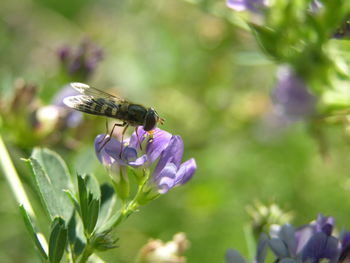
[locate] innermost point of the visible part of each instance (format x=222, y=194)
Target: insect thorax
x=136, y=114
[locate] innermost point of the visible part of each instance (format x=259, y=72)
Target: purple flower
x=310, y=243
x=316, y=6
x=345, y=246
x=163, y=150
x=242, y=5
x=321, y=246
x=257, y=5
x=72, y=117
x=291, y=97
x=81, y=62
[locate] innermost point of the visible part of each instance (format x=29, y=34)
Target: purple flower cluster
x=80, y=62
x=162, y=150
x=311, y=243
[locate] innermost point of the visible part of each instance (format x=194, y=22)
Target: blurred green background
x=206, y=77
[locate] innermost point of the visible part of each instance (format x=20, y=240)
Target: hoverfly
x=98, y=102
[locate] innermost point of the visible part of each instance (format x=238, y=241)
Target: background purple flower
x=242, y=5
x=81, y=62
x=162, y=149
x=310, y=243
x=73, y=118
x=291, y=97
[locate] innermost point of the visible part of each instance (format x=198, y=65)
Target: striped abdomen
x=95, y=106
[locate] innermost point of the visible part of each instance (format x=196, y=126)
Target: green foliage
x=32, y=232
x=52, y=178
x=58, y=240
x=189, y=61
x=108, y=200
x=89, y=200
x=292, y=33
x=55, y=188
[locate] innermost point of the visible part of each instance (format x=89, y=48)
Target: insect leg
x=104, y=137
x=110, y=135
x=138, y=139
x=121, y=149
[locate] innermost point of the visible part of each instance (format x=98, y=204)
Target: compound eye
x=150, y=120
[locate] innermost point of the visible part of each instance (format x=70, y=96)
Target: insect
x=98, y=102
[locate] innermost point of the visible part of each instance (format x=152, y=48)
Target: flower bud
x=156, y=251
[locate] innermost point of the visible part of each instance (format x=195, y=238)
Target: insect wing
x=90, y=91
x=89, y=104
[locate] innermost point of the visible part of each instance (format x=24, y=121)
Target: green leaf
x=73, y=199
x=108, y=224
x=33, y=234
x=58, y=240
x=107, y=204
x=76, y=238
x=52, y=177
x=265, y=38
x=94, y=208
x=89, y=198
x=93, y=186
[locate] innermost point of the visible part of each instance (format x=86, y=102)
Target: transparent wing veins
x=93, y=92
x=86, y=103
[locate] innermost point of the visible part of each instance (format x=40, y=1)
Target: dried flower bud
x=156, y=251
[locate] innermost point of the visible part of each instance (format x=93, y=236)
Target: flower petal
x=156, y=145
x=288, y=260
x=321, y=246
x=291, y=96
x=251, y=5
x=129, y=154
x=303, y=235
x=115, y=154
x=279, y=248
x=103, y=154
x=136, y=140
x=345, y=246
x=261, y=249
x=287, y=235
x=166, y=178
x=238, y=5
x=186, y=171
x=172, y=153
x=325, y=224
x=139, y=161
x=233, y=256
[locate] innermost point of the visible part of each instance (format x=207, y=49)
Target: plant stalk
x=16, y=186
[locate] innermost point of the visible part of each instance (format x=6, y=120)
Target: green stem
x=17, y=188
x=126, y=210
x=86, y=254
x=131, y=207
